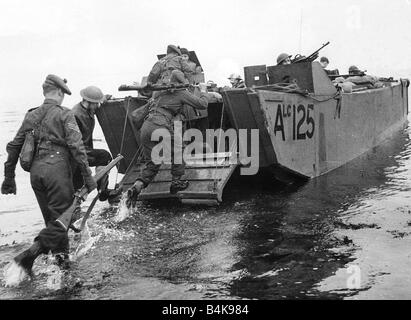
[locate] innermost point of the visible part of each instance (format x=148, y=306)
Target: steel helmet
x=355, y=71
x=92, y=94
x=234, y=76
x=282, y=57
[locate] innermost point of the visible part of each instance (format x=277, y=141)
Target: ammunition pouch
x=139, y=115
x=28, y=151
x=29, y=148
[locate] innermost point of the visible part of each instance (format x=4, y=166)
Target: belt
x=163, y=112
x=48, y=148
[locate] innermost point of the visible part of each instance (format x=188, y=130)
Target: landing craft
x=307, y=127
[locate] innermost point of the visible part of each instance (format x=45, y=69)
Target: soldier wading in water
x=58, y=140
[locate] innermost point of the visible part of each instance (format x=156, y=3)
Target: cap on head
x=234, y=76
x=184, y=51
x=92, y=94
x=53, y=82
x=173, y=49
x=282, y=57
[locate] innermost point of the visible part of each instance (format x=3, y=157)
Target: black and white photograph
x=222, y=152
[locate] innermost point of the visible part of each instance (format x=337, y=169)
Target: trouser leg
x=96, y=158
x=99, y=158
x=56, y=195
x=37, y=183
x=171, y=144
x=78, y=181
x=177, y=160
x=150, y=168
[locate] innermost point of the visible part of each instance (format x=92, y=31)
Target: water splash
x=14, y=274
x=54, y=278
x=122, y=212
x=48, y=273
x=87, y=242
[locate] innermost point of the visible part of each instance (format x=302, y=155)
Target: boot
x=133, y=192
x=114, y=196
x=178, y=185
x=62, y=260
x=27, y=257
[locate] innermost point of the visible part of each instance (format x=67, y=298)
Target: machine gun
x=299, y=58
x=153, y=87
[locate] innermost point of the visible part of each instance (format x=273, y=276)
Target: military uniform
x=59, y=139
x=162, y=69
x=96, y=157
x=166, y=107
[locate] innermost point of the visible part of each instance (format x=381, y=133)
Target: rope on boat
x=294, y=88
x=137, y=155
x=124, y=131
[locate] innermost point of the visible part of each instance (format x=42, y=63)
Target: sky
x=108, y=43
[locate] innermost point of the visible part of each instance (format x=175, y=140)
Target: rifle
x=26, y=259
x=65, y=218
x=153, y=87
x=311, y=57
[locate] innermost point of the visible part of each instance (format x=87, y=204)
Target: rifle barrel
x=152, y=87
x=83, y=191
x=315, y=52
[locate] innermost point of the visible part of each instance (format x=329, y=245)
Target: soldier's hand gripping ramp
x=207, y=174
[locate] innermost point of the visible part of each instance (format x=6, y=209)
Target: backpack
x=139, y=115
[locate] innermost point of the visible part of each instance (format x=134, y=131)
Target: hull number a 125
x=303, y=124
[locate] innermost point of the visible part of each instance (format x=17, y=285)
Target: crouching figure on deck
x=166, y=107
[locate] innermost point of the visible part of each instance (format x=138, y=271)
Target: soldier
x=359, y=77
x=283, y=59
x=58, y=138
x=354, y=71
x=84, y=112
x=193, y=66
x=166, y=107
x=236, y=81
x=162, y=69
x=324, y=62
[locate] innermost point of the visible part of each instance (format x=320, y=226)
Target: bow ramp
x=207, y=174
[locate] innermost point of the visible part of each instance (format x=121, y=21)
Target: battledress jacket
x=86, y=124
x=161, y=71
x=59, y=129
x=169, y=104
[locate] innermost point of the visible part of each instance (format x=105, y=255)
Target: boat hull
x=312, y=135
